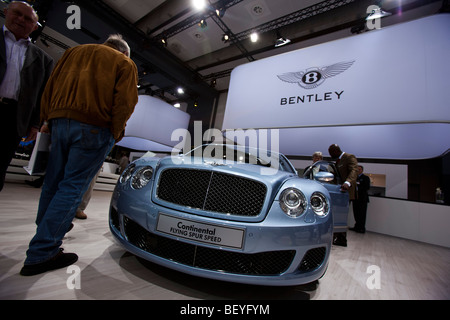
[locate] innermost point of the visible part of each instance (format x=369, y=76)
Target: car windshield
x=223, y=154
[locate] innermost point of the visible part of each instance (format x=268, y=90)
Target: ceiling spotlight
x=164, y=41
x=180, y=90
x=220, y=12
x=281, y=41
x=199, y=4
x=177, y=105
x=377, y=13
x=225, y=38
x=202, y=24
x=254, y=37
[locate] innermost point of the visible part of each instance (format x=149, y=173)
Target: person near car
x=86, y=103
x=123, y=163
x=316, y=156
x=347, y=165
x=361, y=201
x=24, y=70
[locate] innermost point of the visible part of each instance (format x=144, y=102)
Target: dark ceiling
x=195, y=57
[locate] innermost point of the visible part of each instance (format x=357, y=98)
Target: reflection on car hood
x=268, y=175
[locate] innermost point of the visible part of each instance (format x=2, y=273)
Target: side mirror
x=324, y=176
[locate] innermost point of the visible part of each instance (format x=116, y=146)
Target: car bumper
x=271, y=252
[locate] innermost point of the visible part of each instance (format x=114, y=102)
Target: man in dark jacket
x=361, y=201
x=24, y=70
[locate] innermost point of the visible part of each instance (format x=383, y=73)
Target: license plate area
x=213, y=234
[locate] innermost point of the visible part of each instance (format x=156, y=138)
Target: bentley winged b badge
x=313, y=77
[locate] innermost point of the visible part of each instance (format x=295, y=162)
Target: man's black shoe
x=357, y=230
x=340, y=239
x=340, y=243
x=59, y=261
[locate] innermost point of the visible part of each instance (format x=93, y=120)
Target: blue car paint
x=271, y=230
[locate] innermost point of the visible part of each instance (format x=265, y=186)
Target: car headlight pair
x=293, y=202
x=139, y=177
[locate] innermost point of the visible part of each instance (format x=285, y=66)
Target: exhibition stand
x=424, y=222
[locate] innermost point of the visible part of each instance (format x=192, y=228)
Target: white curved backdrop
x=382, y=94
x=151, y=125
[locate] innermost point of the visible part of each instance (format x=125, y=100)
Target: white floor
x=373, y=266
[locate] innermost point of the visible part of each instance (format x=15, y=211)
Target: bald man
x=24, y=71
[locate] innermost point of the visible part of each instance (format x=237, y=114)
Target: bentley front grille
x=212, y=191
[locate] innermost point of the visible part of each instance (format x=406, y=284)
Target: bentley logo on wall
x=313, y=77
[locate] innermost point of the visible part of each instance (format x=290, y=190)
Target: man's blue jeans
x=77, y=153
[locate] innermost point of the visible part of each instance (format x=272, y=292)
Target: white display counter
x=106, y=180
x=424, y=222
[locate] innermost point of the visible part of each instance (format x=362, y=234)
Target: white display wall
x=381, y=95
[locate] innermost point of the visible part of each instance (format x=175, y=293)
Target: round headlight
x=293, y=202
x=142, y=177
x=319, y=204
x=127, y=173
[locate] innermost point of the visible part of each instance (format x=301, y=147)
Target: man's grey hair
x=116, y=41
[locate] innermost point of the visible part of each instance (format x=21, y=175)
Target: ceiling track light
x=220, y=12
x=377, y=13
x=202, y=24
x=281, y=41
x=199, y=4
x=226, y=37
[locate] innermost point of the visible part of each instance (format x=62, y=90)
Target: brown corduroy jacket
x=348, y=169
x=93, y=84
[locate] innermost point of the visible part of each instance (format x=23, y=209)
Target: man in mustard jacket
x=86, y=103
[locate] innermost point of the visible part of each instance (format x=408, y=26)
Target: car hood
x=269, y=176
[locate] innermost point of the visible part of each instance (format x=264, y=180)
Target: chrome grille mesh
x=212, y=191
